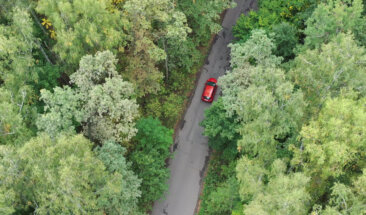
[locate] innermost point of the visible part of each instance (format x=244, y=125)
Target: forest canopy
x=90, y=91
x=292, y=113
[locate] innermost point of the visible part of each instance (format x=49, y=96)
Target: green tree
x=251, y=177
x=285, y=39
x=154, y=22
x=62, y=111
x=271, y=13
x=61, y=176
x=151, y=151
x=103, y=103
x=284, y=194
x=84, y=27
x=256, y=51
x=333, y=145
x=221, y=130
x=220, y=194
x=269, y=109
x=271, y=191
x=13, y=130
x=346, y=199
x=6, y=199
x=6, y=8
x=203, y=17
x=224, y=199
x=123, y=199
x=22, y=65
x=267, y=106
x=325, y=71
x=332, y=18
x=17, y=63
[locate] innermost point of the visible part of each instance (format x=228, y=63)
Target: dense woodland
x=289, y=132
x=90, y=91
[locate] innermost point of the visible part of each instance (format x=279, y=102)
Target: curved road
x=190, y=146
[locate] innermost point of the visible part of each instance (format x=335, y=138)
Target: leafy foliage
x=347, y=199
x=203, y=15
x=285, y=39
x=332, y=18
x=151, y=151
x=62, y=111
x=223, y=199
x=286, y=169
x=271, y=13
x=61, y=176
x=220, y=194
x=221, y=130
x=113, y=200
x=84, y=27
x=334, y=143
x=284, y=194
x=17, y=63
x=13, y=130
x=153, y=21
x=322, y=72
x=41, y=44
x=267, y=106
x=258, y=51
x=103, y=102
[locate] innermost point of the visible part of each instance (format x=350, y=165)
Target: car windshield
x=206, y=97
x=211, y=83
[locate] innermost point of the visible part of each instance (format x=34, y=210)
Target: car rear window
x=211, y=83
x=206, y=97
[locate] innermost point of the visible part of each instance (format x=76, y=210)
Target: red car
x=210, y=90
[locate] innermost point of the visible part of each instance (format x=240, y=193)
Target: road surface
x=191, y=150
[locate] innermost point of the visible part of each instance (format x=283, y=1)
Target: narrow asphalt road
x=191, y=150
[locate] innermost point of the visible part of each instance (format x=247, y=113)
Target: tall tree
x=84, y=27
x=269, y=109
x=223, y=131
x=153, y=142
x=322, y=72
x=62, y=111
x=103, y=103
x=13, y=130
x=123, y=199
x=346, y=199
x=250, y=174
x=267, y=106
x=256, y=51
x=284, y=194
x=332, y=18
x=154, y=22
x=285, y=38
x=333, y=145
x=271, y=13
x=224, y=198
x=203, y=17
x=62, y=176
x=17, y=63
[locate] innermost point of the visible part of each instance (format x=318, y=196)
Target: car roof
x=208, y=91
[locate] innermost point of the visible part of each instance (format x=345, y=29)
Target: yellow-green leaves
x=83, y=27
x=63, y=175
